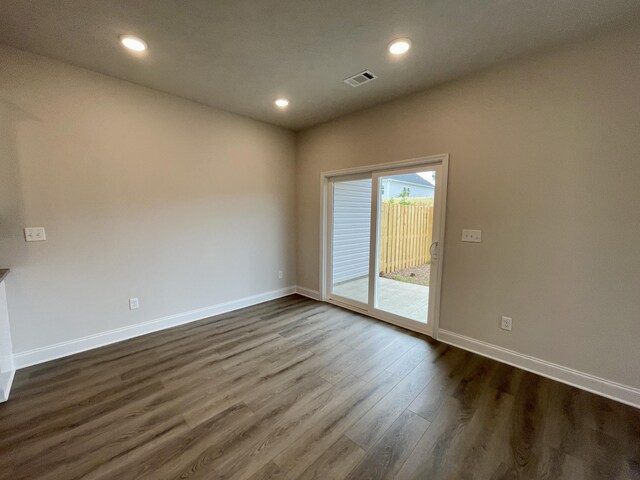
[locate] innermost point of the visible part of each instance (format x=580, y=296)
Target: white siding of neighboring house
x=393, y=188
x=351, y=229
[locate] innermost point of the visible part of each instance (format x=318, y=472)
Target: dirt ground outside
x=419, y=275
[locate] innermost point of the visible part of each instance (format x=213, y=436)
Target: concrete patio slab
x=400, y=298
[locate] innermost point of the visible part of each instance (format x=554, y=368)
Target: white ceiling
x=239, y=55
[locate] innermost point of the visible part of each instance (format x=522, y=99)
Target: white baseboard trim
x=600, y=386
x=6, y=379
x=63, y=349
x=307, y=292
x=575, y=378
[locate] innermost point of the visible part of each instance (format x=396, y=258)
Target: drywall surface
x=141, y=194
x=545, y=159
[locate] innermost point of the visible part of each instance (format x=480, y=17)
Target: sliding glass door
x=405, y=243
x=351, y=239
x=383, y=231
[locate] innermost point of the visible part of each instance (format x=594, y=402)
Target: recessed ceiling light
x=133, y=43
x=400, y=46
x=282, y=103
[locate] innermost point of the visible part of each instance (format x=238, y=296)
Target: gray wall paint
x=148, y=195
x=142, y=194
x=351, y=229
x=545, y=160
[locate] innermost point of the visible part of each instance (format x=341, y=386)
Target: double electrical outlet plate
x=35, y=234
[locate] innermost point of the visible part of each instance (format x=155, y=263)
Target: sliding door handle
x=433, y=250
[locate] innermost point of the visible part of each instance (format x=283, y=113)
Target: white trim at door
x=442, y=161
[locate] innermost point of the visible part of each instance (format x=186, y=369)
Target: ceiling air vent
x=361, y=78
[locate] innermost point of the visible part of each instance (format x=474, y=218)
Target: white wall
x=142, y=194
x=545, y=159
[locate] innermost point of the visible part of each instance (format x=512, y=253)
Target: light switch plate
x=35, y=234
x=474, y=236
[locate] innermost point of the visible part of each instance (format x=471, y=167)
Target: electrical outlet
x=506, y=323
x=473, y=236
x=35, y=234
x=280, y=274
x=134, y=304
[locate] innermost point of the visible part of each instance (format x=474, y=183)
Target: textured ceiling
x=239, y=55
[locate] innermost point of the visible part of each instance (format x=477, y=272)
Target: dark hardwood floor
x=296, y=389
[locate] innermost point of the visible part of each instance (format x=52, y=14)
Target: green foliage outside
x=404, y=199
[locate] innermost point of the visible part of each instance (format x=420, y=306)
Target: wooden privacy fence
x=405, y=236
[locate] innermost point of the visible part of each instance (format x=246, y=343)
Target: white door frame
x=325, y=243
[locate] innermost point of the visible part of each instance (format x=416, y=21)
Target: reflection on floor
x=401, y=298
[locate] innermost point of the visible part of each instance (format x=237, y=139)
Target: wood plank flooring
x=297, y=389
